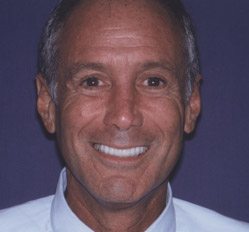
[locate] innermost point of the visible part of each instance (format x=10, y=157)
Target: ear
x=45, y=104
x=193, y=107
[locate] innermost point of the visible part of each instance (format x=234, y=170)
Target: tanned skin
x=120, y=84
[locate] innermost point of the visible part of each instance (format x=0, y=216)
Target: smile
x=131, y=152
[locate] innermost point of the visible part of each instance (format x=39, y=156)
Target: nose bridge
x=124, y=98
x=123, y=110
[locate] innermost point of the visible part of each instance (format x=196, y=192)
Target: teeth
x=131, y=152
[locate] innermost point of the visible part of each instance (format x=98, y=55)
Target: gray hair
x=193, y=65
x=48, y=59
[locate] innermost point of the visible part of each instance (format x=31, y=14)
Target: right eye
x=91, y=82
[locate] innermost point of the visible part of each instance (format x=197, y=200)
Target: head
x=122, y=71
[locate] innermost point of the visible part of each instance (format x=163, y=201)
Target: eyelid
x=84, y=74
x=103, y=84
x=85, y=79
x=163, y=81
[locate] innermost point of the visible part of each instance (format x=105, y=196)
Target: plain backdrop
x=214, y=170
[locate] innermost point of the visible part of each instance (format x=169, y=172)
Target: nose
x=122, y=111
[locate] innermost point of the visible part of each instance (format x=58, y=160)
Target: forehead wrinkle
x=116, y=27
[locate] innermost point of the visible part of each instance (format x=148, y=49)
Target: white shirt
x=52, y=214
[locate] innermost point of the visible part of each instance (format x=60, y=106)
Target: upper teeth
x=120, y=152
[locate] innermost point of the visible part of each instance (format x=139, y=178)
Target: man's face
x=120, y=116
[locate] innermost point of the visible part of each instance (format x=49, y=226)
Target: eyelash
x=156, y=82
x=89, y=82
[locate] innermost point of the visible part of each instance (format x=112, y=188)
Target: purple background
x=214, y=170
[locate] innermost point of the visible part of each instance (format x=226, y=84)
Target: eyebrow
x=173, y=69
x=160, y=64
x=83, y=66
x=77, y=67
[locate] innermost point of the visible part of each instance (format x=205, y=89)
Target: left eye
x=155, y=82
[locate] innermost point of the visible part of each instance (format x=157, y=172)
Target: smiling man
x=118, y=83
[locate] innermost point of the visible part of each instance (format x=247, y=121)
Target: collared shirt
x=52, y=214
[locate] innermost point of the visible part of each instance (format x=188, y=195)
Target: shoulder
x=28, y=217
x=193, y=218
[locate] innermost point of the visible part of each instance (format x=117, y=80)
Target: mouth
x=129, y=152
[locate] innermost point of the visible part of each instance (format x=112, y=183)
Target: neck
x=106, y=216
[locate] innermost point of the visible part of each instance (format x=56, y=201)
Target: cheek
x=167, y=121
x=73, y=139
x=75, y=114
x=166, y=115
x=172, y=125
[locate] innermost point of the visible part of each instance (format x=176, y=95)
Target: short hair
x=48, y=47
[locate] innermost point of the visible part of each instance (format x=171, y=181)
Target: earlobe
x=45, y=104
x=193, y=107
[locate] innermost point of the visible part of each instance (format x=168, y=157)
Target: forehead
x=120, y=24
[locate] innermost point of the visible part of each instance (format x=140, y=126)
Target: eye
x=155, y=82
x=91, y=82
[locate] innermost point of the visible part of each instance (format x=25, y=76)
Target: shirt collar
x=64, y=220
